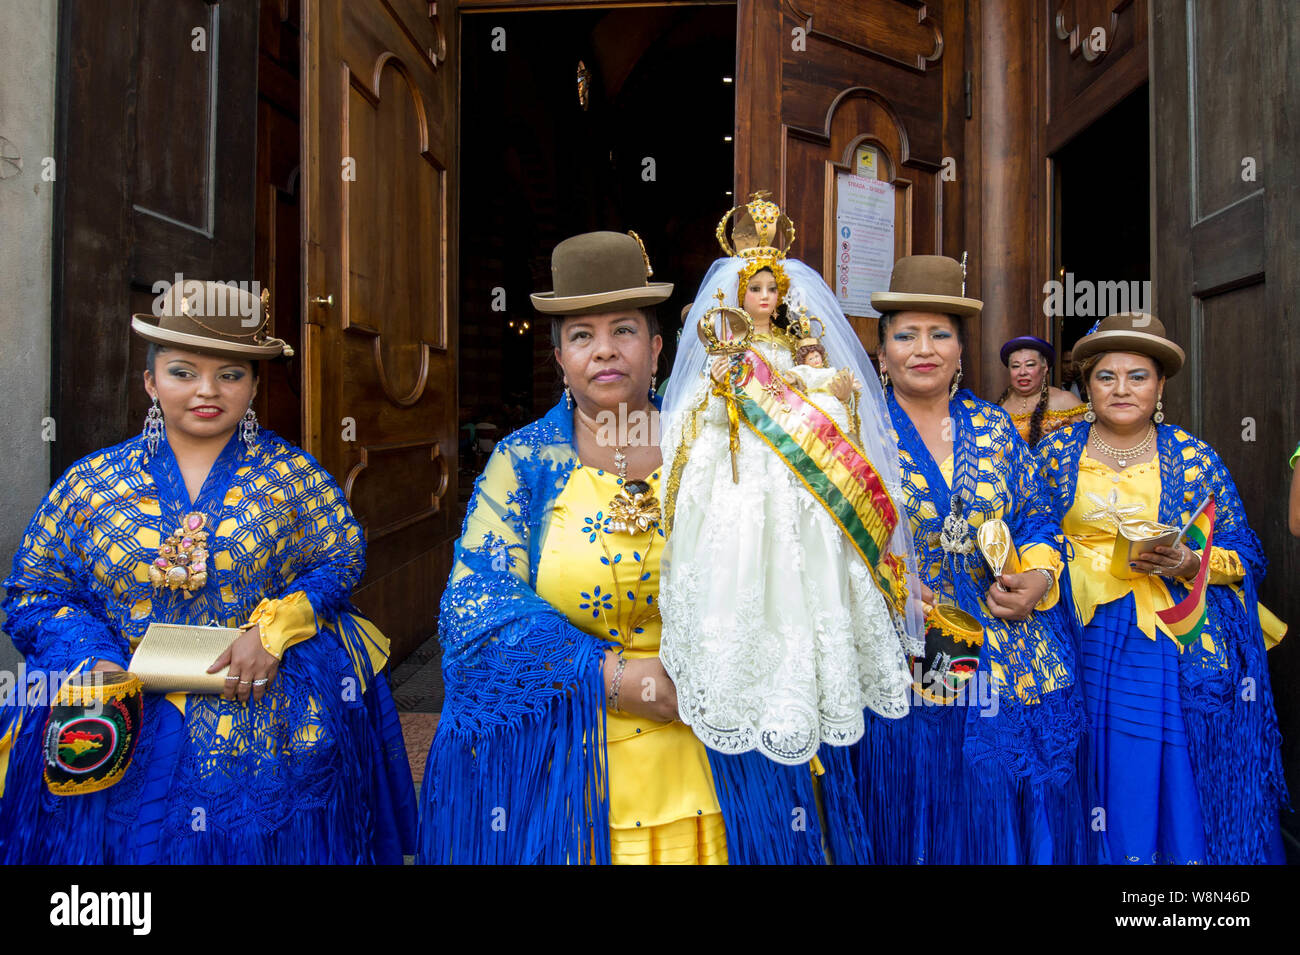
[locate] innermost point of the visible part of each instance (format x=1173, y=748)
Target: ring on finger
x=229, y=678
x=261, y=682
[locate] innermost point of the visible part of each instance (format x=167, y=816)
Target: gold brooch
x=182, y=562
x=634, y=510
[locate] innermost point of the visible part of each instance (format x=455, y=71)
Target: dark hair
x=805, y=350
x=1044, y=399
x=648, y=312
x=1036, y=418
x=154, y=349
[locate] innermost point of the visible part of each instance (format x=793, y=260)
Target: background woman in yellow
x=1186, y=749
x=1036, y=407
x=300, y=760
x=559, y=739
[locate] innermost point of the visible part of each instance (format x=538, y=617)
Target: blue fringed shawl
x=1226, y=695
x=961, y=784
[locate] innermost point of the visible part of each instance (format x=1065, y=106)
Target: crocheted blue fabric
x=312, y=773
x=1034, y=734
x=995, y=778
x=1225, y=692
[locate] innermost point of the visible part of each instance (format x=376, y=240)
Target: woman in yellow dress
x=559, y=740
x=1185, y=744
x=1037, y=408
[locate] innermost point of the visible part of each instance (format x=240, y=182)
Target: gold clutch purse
x=175, y=657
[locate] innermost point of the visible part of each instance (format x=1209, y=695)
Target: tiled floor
x=417, y=690
x=417, y=730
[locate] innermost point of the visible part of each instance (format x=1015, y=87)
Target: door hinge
x=970, y=82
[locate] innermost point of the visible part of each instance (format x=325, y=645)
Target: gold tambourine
x=92, y=731
x=740, y=329
x=953, y=639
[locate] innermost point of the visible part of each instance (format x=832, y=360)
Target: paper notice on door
x=864, y=237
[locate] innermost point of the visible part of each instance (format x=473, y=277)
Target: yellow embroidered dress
x=1052, y=420
x=662, y=807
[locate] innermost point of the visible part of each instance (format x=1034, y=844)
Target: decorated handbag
x=91, y=734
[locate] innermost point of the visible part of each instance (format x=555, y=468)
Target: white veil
x=688, y=383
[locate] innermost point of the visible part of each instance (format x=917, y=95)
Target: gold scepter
x=732, y=345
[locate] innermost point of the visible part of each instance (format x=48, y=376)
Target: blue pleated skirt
x=1141, y=759
x=925, y=801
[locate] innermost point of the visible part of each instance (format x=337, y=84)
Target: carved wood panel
x=888, y=73
x=379, y=140
x=1096, y=55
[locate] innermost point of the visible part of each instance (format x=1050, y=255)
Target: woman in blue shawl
x=301, y=759
x=989, y=775
x=559, y=740
x=1186, y=749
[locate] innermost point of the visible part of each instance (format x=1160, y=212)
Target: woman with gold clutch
x=203, y=520
x=1186, y=749
x=984, y=767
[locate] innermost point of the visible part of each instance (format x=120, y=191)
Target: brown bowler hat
x=211, y=318
x=1135, y=332
x=927, y=283
x=600, y=272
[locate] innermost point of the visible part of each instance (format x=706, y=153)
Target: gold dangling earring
x=1159, y=416
x=568, y=398
x=1089, y=416
x=956, y=381
x=884, y=379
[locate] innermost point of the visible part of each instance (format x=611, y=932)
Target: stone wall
x=28, y=46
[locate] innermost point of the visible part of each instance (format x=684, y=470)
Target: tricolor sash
x=826, y=461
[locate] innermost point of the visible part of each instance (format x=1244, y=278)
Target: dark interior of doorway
x=650, y=152
x=1104, y=207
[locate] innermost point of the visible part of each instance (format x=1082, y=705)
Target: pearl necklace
x=1122, y=455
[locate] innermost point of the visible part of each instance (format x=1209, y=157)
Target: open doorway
x=1103, y=220
x=642, y=141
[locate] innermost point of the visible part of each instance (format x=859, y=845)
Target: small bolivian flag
x=1186, y=619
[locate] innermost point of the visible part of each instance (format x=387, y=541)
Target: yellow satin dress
x=1093, y=542
x=662, y=805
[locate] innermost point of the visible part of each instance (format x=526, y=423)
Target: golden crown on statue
x=754, y=229
x=801, y=327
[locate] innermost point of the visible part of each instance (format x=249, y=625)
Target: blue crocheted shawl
x=1039, y=719
x=1226, y=694
x=76, y=596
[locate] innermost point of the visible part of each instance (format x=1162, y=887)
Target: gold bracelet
x=617, y=684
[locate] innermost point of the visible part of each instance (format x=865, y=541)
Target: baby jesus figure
x=834, y=391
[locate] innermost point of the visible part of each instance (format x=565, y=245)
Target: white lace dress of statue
x=774, y=631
